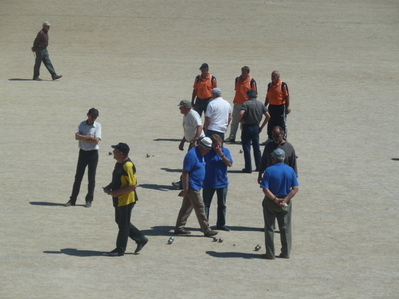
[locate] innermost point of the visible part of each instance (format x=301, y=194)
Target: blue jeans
x=209, y=133
x=221, y=193
x=250, y=133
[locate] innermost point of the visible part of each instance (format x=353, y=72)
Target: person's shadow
x=77, y=252
x=242, y=255
x=45, y=203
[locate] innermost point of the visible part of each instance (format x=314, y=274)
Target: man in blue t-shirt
x=280, y=184
x=192, y=178
x=216, y=179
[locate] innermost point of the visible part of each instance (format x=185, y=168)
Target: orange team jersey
x=277, y=94
x=204, y=86
x=241, y=88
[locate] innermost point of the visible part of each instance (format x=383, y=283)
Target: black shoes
x=141, y=245
x=224, y=227
x=57, y=77
x=69, y=203
x=114, y=252
x=88, y=204
x=246, y=171
x=37, y=79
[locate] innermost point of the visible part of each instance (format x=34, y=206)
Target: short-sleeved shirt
x=194, y=163
x=190, y=123
x=218, y=111
x=254, y=111
x=204, y=86
x=124, y=174
x=277, y=94
x=241, y=88
x=290, y=155
x=86, y=129
x=279, y=179
x=216, y=170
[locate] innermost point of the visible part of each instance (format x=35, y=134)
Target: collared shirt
x=241, y=88
x=216, y=170
x=194, y=163
x=254, y=111
x=279, y=179
x=93, y=130
x=124, y=174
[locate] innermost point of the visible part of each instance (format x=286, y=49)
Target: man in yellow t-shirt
x=124, y=196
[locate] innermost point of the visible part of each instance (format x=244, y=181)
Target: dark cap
x=123, y=147
x=94, y=111
x=204, y=66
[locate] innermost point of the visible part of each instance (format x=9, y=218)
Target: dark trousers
x=42, y=55
x=126, y=228
x=277, y=118
x=90, y=159
x=207, y=194
x=200, y=105
x=250, y=134
x=209, y=133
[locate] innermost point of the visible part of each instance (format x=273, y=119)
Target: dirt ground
x=134, y=61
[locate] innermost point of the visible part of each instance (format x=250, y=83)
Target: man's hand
x=183, y=193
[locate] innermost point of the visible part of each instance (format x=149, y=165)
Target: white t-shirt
x=190, y=123
x=86, y=129
x=218, y=111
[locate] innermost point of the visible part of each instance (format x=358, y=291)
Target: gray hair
x=217, y=92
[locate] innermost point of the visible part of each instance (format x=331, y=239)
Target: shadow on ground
x=242, y=255
x=46, y=203
x=158, y=187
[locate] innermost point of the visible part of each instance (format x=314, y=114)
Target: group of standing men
x=276, y=167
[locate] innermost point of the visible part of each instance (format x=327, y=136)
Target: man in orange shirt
x=202, y=89
x=278, y=99
x=243, y=83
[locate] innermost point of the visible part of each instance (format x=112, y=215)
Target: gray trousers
x=42, y=55
x=193, y=200
x=234, y=122
x=271, y=211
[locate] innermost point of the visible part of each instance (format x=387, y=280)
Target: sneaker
x=37, y=79
x=178, y=185
x=210, y=233
x=181, y=232
x=141, y=245
x=114, y=252
x=88, y=204
x=57, y=77
x=224, y=227
x=69, y=203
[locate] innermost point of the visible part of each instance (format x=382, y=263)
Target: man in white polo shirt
x=218, y=115
x=89, y=136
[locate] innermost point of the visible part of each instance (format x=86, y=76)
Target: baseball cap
x=278, y=153
x=185, y=103
x=206, y=142
x=123, y=147
x=217, y=91
x=204, y=66
x=94, y=111
x=46, y=23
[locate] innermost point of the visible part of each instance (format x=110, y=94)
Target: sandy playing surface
x=134, y=61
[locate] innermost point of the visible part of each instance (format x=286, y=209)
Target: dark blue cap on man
x=123, y=147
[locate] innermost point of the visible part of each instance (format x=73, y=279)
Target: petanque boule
x=220, y=240
x=110, y=153
x=171, y=239
x=215, y=239
x=258, y=247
